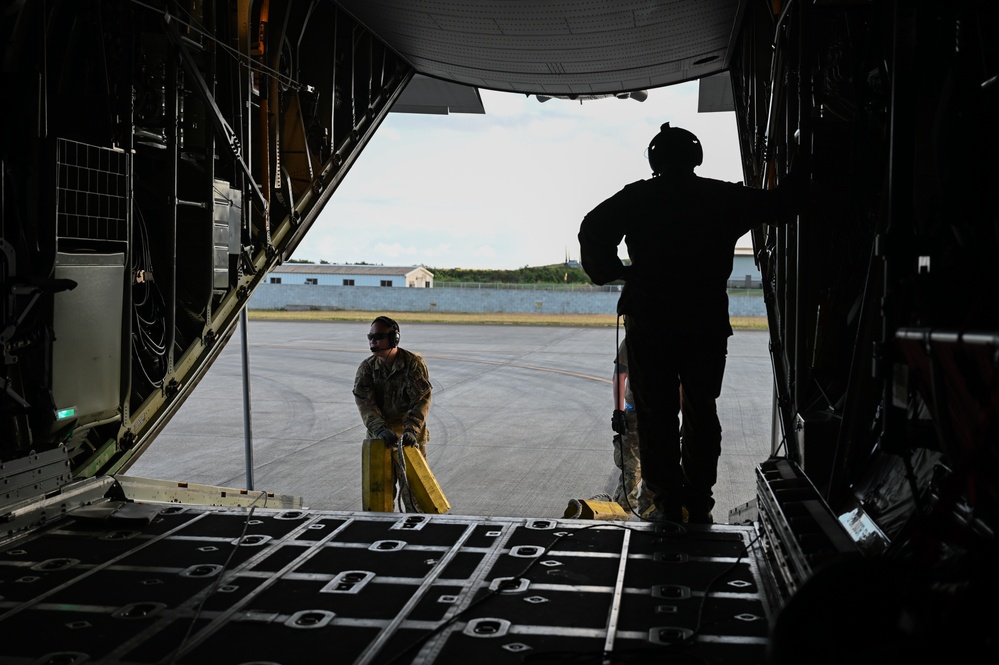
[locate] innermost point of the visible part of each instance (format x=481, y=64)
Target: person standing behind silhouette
x=392, y=391
x=680, y=231
x=624, y=422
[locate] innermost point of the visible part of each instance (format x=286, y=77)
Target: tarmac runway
x=519, y=423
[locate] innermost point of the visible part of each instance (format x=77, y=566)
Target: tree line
x=556, y=273
x=552, y=274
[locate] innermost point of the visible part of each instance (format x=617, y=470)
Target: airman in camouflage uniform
x=392, y=392
x=625, y=424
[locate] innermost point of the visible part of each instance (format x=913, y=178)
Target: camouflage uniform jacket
x=396, y=396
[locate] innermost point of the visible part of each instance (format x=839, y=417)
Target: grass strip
x=498, y=318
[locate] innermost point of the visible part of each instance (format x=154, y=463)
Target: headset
x=396, y=336
x=674, y=149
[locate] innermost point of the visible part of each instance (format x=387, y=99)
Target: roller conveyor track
x=195, y=584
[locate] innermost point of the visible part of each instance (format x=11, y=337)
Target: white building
x=744, y=270
x=351, y=275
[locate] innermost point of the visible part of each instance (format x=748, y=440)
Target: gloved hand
x=387, y=436
x=618, y=422
x=409, y=438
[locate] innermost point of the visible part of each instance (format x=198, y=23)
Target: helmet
x=674, y=149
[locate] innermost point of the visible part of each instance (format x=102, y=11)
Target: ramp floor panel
x=200, y=584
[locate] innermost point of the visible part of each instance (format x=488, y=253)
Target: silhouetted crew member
x=680, y=231
x=392, y=391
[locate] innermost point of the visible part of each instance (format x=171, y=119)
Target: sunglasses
x=377, y=336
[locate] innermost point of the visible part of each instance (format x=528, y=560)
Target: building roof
x=334, y=269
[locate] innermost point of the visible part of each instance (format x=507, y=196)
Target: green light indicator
x=66, y=413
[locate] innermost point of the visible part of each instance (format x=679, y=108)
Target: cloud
x=506, y=188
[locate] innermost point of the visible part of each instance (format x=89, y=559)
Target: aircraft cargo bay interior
x=159, y=158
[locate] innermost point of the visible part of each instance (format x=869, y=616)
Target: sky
x=504, y=189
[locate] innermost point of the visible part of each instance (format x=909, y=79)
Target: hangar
x=352, y=275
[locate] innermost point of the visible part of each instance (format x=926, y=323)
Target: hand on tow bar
x=388, y=437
